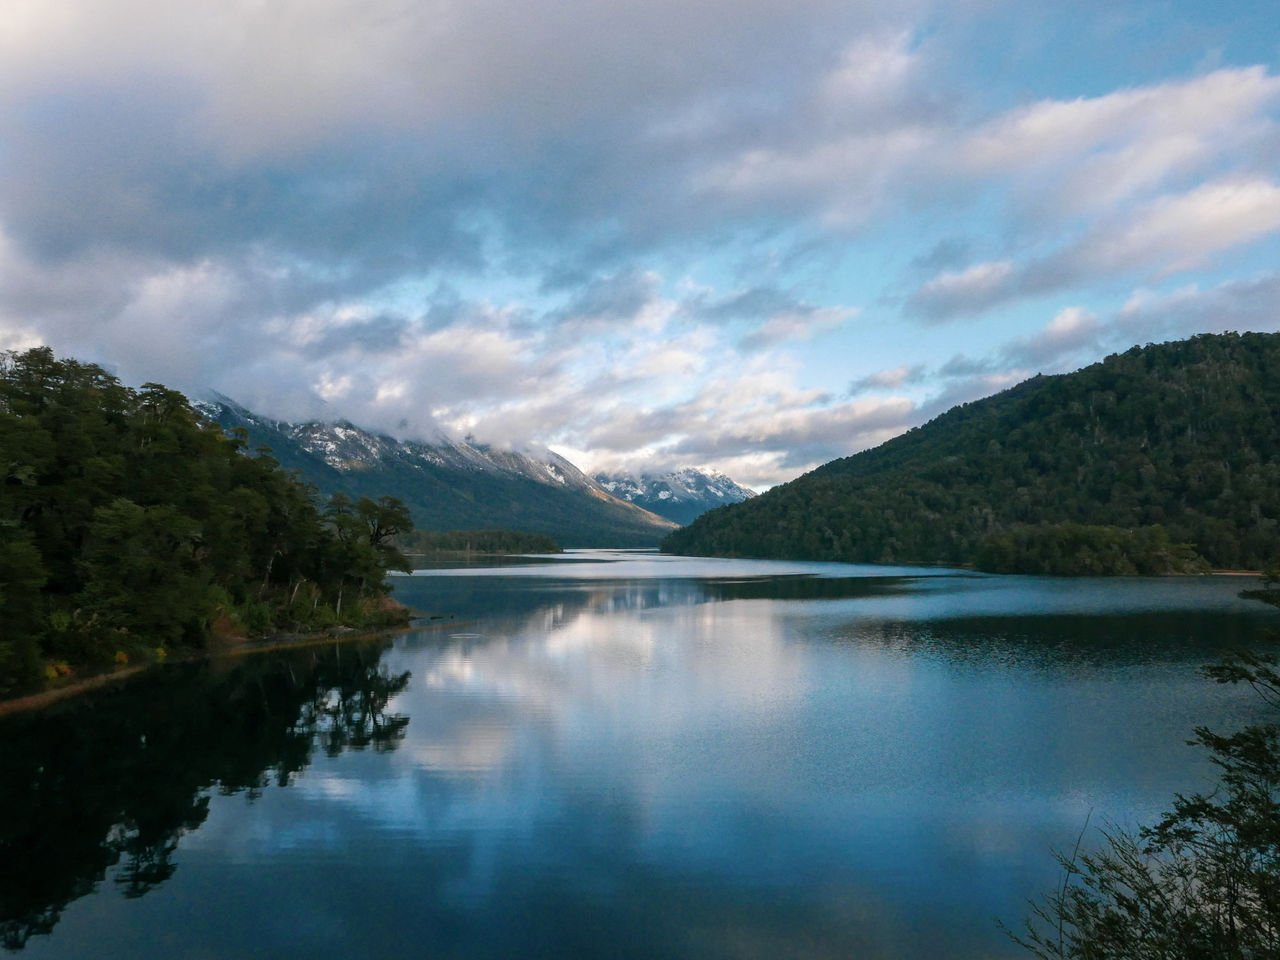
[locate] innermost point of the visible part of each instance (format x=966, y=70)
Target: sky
x=749, y=235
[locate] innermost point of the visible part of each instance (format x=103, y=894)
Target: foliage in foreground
x=129, y=525
x=1203, y=883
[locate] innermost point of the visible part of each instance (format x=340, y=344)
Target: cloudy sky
x=746, y=234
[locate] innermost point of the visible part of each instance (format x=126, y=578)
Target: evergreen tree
x=128, y=522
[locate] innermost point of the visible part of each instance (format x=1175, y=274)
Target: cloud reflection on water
x=606, y=761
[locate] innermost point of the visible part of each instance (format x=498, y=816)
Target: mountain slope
x=682, y=496
x=451, y=485
x=1185, y=435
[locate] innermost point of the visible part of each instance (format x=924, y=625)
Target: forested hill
x=131, y=526
x=1183, y=436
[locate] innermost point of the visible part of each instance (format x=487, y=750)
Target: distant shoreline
x=243, y=646
x=462, y=554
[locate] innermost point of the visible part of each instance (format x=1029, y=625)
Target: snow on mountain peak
x=679, y=495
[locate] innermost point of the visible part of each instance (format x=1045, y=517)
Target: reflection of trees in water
x=807, y=587
x=512, y=604
x=1055, y=641
x=116, y=780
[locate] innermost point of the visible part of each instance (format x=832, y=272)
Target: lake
x=622, y=754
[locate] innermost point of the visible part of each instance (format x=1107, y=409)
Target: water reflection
x=802, y=587
x=817, y=766
x=626, y=763
x=1029, y=620
x=110, y=783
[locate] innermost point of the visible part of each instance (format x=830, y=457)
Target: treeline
x=1079, y=550
x=1183, y=435
x=130, y=525
x=477, y=541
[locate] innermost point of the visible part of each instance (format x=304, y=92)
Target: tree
x=385, y=519
x=363, y=550
x=141, y=574
x=1202, y=883
x=128, y=522
x=21, y=577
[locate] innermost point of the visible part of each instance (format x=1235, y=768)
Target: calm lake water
x=622, y=755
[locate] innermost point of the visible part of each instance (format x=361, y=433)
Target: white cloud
x=1168, y=235
x=1239, y=305
x=670, y=394
x=1057, y=159
x=850, y=180
x=1097, y=152
x=1181, y=231
x=954, y=292
x=888, y=379
x=1072, y=331
x=276, y=77
x=797, y=325
x=1053, y=131
x=875, y=74
x=262, y=198
x=1076, y=337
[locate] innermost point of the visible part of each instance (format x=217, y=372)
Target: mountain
x=450, y=485
x=682, y=496
x=1184, y=436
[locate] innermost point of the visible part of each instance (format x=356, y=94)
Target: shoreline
x=241, y=646
x=44, y=698
x=244, y=646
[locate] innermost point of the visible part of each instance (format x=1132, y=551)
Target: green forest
x=131, y=526
x=1180, y=440
x=1081, y=550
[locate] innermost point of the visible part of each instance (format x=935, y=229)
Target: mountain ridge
x=1183, y=435
x=449, y=484
x=681, y=495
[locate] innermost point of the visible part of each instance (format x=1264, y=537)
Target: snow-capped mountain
x=680, y=496
x=450, y=484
